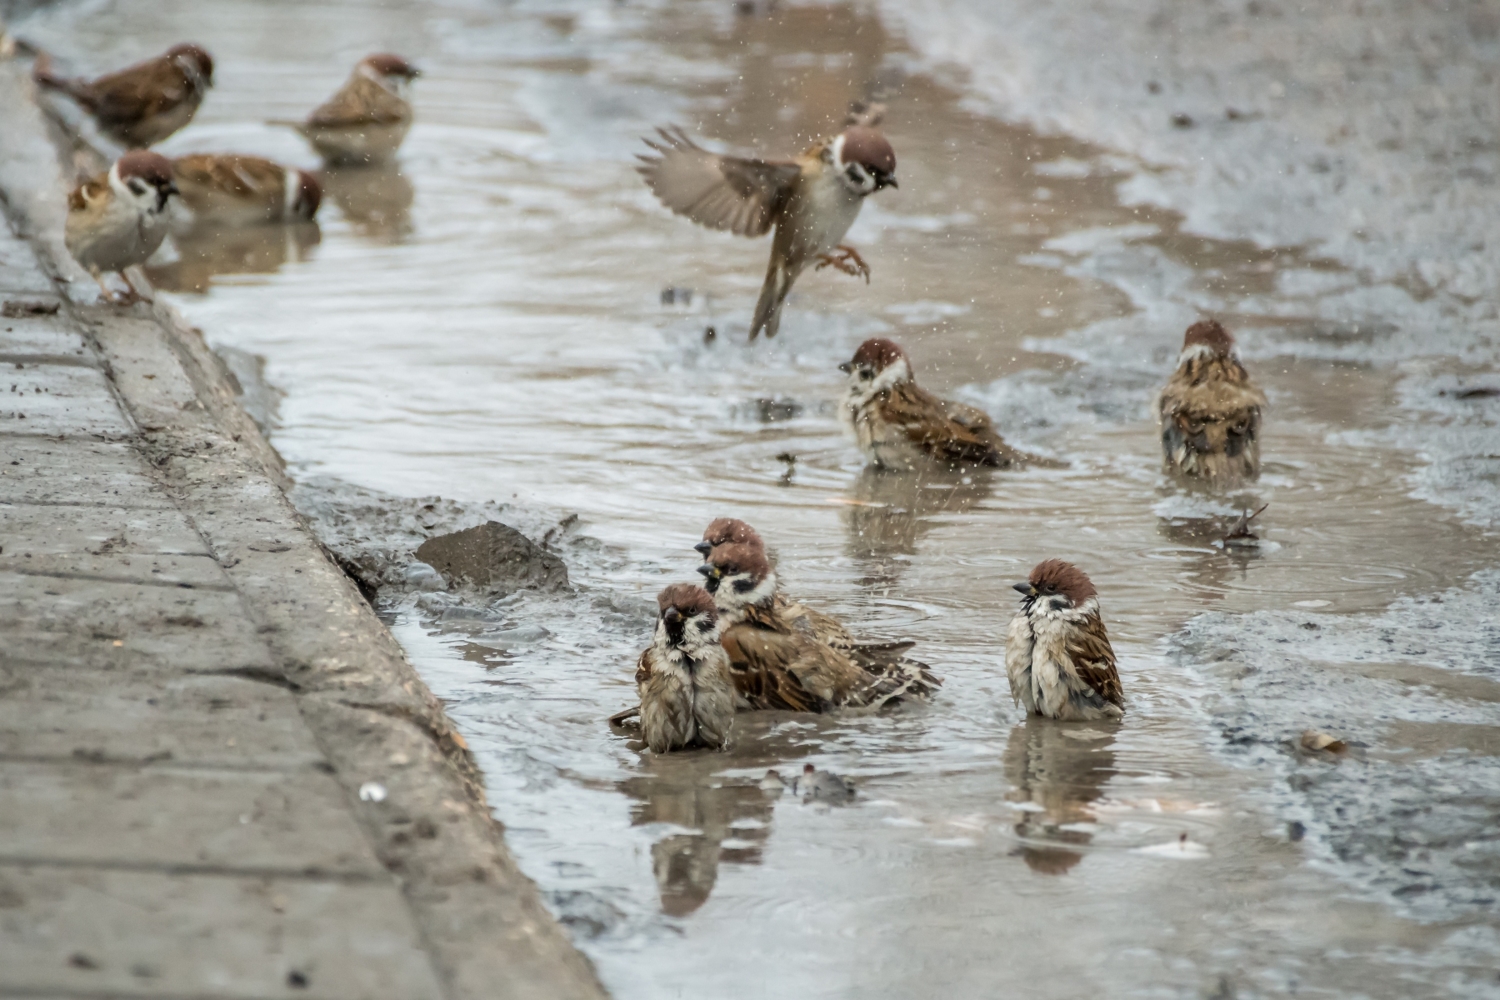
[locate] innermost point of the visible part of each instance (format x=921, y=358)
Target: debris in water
x=495, y=557
x=709, y=333
x=1181, y=120
x=673, y=296
x=372, y=791
x=791, y=467
x=773, y=782
x=1314, y=740
x=1478, y=392
x=1240, y=536
x=823, y=786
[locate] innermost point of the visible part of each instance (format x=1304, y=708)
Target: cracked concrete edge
x=482, y=919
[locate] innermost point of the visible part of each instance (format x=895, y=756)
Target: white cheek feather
x=291, y=187
x=1044, y=612
x=861, y=392
x=1196, y=351
x=732, y=601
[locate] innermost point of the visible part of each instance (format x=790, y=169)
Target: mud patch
x=1400, y=814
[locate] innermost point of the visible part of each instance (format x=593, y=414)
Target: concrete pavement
x=219, y=776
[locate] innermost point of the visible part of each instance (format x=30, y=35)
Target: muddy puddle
x=492, y=323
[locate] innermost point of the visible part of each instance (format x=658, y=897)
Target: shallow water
x=488, y=323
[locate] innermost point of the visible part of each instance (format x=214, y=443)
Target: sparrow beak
x=1025, y=587
x=886, y=181
x=847, y=367
x=671, y=616
x=711, y=577
x=703, y=548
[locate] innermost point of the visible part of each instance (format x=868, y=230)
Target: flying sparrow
x=369, y=116
x=787, y=656
x=245, y=189
x=1210, y=410
x=1057, y=654
x=140, y=105
x=687, y=698
x=812, y=201
x=117, y=220
x=900, y=425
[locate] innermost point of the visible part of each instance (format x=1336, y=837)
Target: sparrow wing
x=242, y=176
x=1094, y=659
x=134, y=93
x=950, y=432
x=360, y=101
x=737, y=194
x=643, y=669
x=760, y=661
x=1211, y=408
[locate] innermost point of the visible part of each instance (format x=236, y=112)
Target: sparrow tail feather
x=772, y=294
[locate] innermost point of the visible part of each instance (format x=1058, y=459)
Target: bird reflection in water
x=375, y=200
x=889, y=511
x=709, y=819
x=213, y=248
x=1056, y=770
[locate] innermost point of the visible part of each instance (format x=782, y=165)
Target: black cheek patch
x=743, y=586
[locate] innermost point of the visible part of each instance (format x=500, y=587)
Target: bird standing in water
x=1057, y=652
x=687, y=697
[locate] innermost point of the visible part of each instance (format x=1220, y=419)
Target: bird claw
x=846, y=259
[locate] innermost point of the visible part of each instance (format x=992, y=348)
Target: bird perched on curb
x=687, y=697
x=783, y=655
x=1210, y=410
x=117, y=220
x=900, y=425
x=369, y=116
x=811, y=201
x=1057, y=653
x=140, y=105
x=242, y=189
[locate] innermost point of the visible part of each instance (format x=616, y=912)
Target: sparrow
x=241, y=189
x=1057, y=653
x=727, y=531
x=369, y=116
x=117, y=220
x=783, y=655
x=900, y=425
x=140, y=105
x=1210, y=410
x=811, y=201
x=683, y=677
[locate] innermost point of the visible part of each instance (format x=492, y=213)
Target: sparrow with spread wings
x=140, y=105
x=1057, y=652
x=811, y=201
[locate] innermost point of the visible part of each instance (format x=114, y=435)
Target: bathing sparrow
x=369, y=116
x=687, y=698
x=239, y=189
x=899, y=425
x=1210, y=410
x=1057, y=653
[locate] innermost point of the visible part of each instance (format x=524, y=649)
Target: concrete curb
x=371, y=717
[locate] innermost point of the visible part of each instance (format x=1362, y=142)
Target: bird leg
x=846, y=259
x=110, y=295
x=135, y=294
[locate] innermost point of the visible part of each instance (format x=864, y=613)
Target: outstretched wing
x=1094, y=659
x=732, y=193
